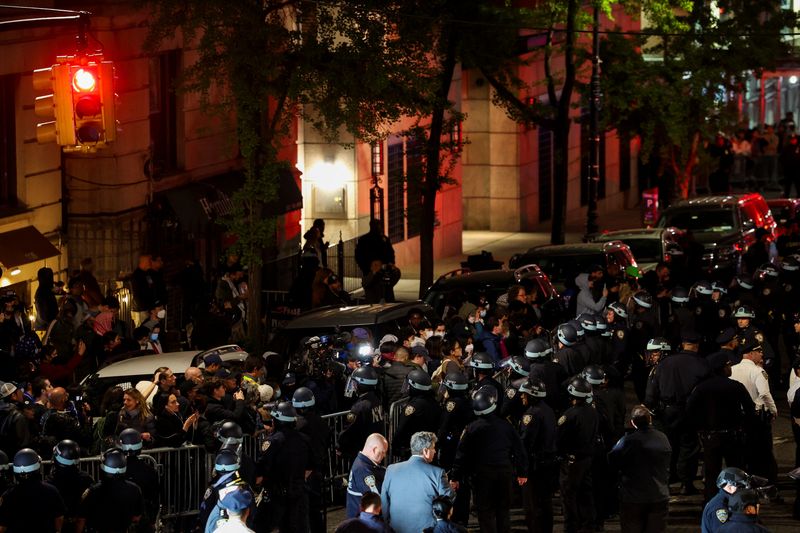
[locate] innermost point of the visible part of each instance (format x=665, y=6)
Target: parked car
x=128, y=372
x=464, y=283
x=783, y=210
x=724, y=225
x=562, y=262
x=649, y=245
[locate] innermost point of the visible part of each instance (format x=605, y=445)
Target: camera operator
x=379, y=282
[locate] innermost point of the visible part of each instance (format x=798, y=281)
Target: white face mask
x=161, y=314
x=427, y=334
x=438, y=333
x=468, y=349
x=483, y=313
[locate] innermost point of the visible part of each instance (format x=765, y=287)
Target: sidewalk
x=505, y=244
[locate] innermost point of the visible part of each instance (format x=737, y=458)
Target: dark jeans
x=537, y=498
x=576, y=493
x=683, y=440
x=759, y=454
x=493, y=487
x=718, y=445
x=643, y=517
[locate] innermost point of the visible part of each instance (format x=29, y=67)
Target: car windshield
x=700, y=221
x=781, y=213
x=560, y=268
x=645, y=250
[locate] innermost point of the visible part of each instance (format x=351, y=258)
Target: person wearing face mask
x=156, y=318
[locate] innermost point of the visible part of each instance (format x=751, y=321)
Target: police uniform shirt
x=490, y=441
x=365, y=476
x=71, y=483
x=756, y=381
x=715, y=513
x=742, y=523
x=456, y=414
x=111, y=505
x=719, y=403
x=674, y=378
x=553, y=375
x=31, y=506
x=365, y=418
x=286, y=455
x=570, y=360
x=538, y=431
x=577, y=431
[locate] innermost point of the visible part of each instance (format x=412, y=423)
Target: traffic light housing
x=57, y=105
x=82, y=103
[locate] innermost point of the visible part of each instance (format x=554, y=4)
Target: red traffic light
x=84, y=80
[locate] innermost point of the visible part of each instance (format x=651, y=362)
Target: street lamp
x=594, y=127
x=376, y=192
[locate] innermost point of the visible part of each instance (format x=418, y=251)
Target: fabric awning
x=25, y=245
x=203, y=202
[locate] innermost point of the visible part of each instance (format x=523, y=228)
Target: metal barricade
x=337, y=470
x=394, y=419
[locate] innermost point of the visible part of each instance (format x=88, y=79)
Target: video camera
x=763, y=488
x=319, y=354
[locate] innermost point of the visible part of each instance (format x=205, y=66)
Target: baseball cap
x=750, y=345
x=7, y=389
x=223, y=373
x=419, y=350
x=236, y=500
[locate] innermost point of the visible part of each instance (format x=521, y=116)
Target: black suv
x=724, y=225
x=562, y=262
x=492, y=284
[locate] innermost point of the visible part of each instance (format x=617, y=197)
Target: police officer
x=717, y=408
x=728, y=344
x=518, y=371
x=743, y=517
x=768, y=310
x=420, y=412
x=571, y=360
x=282, y=466
x=552, y=374
x=230, y=436
x=456, y=414
x=747, y=333
x=491, y=454
x=644, y=326
x=311, y=424
x=742, y=293
x=538, y=432
x=482, y=365
x=715, y=513
x=672, y=382
x=70, y=481
x=114, y=503
x=141, y=471
x=31, y=504
x=617, y=320
x=581, y=347
x=599, y=347
x=642, y=459
x=704, y=309
x=681, y=316
x=365, y=416
x=367, y=473
x=226, y=475
x=577, y=435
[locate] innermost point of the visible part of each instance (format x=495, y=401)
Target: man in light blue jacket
x=410, y=487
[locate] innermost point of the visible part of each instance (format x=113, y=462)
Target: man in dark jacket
x=374, y=246
x=14, y=430
x=642, y=459
x=216, y=410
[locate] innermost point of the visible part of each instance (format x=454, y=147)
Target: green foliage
x=685, y=91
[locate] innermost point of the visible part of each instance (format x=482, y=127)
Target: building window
x=395, y=192
x=624, y=163
x=545, y=174
x=8, y=141
x=164, y=69
x=415, y=150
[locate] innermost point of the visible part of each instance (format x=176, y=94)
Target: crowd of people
x=470, y=410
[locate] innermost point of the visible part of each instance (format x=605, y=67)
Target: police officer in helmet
x=715, y=513
x=456, y=414
x=491, y=454
x=226, y=475
x=483, y=368
x=311, y=424
x=567, y=356
x=366, y=415
x=114, y=503
x=31, y=504
x=70, y=481
x=518, y=371
x=420, y=412
x=538, y=351
x=538, y=432
x=141, y=471
x=577, y=436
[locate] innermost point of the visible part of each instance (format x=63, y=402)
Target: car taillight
x=738, y=247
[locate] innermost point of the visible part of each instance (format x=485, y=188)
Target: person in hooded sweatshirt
x=592, y=293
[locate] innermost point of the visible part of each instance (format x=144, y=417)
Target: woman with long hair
x=135, y=414
x=171, y=429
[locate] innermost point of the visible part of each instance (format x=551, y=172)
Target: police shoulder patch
x=562, y=420
x=764, y=373
x=265, y=446
x=620, y=333
x=409, y=410
x=369, y=481
x=450, y=406
x=526, y=420
x=760, y=337
x=766, y=291
x=351, y=417
x=511, y=393
x=722, y=515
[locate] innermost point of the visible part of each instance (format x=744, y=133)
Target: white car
x=128, y=372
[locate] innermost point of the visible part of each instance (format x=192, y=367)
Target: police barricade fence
x=337, y=469
x=394, y=420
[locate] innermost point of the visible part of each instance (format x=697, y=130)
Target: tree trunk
x=560, y=178
x=255, y=328
x=432, y=160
